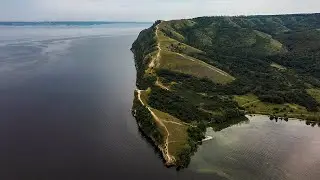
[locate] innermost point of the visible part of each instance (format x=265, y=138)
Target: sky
x=145, y=10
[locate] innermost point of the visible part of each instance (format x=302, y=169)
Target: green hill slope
x=210, y=71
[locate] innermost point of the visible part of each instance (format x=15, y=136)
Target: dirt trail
x=154, y=60
x=180, y=124
x=205, y=64
x=249, y=103
x=158, y=83
x=169, y=158
x=152, y=64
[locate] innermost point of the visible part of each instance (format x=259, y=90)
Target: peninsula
x=211, y=71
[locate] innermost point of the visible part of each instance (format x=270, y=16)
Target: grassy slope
x=178, y=132
x=253, y=105
x=221, y=33
x=175, y=57
x=315, y=93
x=188, y=65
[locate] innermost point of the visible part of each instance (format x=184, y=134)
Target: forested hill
x=209, y=71
x=251, y=48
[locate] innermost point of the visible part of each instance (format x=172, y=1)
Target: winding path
x=152, y=65
x=169, y=158
x=153, y=62
x=158, y=83
x=249, y=103
x=180, y=124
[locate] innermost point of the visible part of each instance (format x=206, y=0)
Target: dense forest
x=245, y=46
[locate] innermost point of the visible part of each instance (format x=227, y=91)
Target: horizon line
x=152, y=21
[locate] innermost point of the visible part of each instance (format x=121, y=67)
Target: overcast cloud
x=145, y=10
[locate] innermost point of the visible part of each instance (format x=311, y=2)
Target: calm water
x=262, y=149
x=65, y=100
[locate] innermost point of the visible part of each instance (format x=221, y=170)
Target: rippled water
x=262, y=149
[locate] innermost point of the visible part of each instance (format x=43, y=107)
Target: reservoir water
x=66, y=94
x=262, y=149
x=65, y=99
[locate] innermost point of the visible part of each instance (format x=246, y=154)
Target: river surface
x=66, y=94
x=262, y=149
x=65, y=98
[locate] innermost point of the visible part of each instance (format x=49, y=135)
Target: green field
x=188, y=65
x=253, y=105
x=178, y=132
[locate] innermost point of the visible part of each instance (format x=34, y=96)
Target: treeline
x=271, y=24
x=176, y=105
x=195, y=137
x=296, y=96
x=219, y=96
x=269, y=85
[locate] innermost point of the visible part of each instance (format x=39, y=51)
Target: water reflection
x=286, y=119
x=262, y=149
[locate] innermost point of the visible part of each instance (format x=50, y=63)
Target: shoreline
x=289, y=116
x=162, y=151
x=157, y=148
x=208, y=138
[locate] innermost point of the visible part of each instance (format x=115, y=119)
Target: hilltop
x=211, y=71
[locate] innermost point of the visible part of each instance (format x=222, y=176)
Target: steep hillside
x=210, y=71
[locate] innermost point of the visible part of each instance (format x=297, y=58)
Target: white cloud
x=146, y=10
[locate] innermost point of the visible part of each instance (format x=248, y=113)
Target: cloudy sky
x=145, y=10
